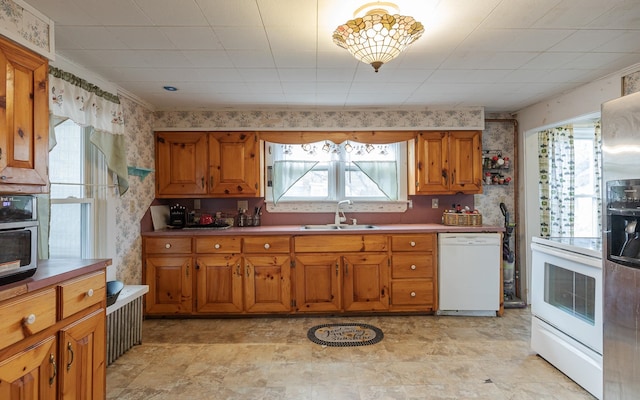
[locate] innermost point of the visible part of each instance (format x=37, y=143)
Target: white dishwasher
x=469, y=274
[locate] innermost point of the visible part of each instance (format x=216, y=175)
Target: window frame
x=94, y=194
x=327, y=204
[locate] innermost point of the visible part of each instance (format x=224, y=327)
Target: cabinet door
x=432, y=163
x=170, y=285
x=234, y=169
x=465, y=162
x=24, y=117
x=318, y=278
x=219, y=283
x=82, y=358
x=181, y=164
x=366, y=282
x=31, y=374
x=267, y=283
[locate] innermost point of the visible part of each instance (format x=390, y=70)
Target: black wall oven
x=18, y=238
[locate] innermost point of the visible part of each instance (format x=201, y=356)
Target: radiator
x=124, y=321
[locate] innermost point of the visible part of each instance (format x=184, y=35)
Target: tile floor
x=420, y=357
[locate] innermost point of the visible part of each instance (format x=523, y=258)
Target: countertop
x=51, y=272
x=298, y=230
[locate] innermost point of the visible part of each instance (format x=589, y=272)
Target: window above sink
x=311, y=174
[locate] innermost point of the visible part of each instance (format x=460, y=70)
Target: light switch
x=196, y=204
x=243, y=205
x=434, y=203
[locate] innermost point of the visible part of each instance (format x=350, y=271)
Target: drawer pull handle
x=71, y=355
x=267, y=246
x=413, y=294
x=30, y=319
x=52, y=361
x=90, y=293
x=167, y=246
x=413, y=244
x=216, y=246
x=413, y=267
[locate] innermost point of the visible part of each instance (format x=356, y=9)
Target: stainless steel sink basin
x=328, y=227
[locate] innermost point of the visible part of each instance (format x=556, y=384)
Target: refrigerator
x=621, y=247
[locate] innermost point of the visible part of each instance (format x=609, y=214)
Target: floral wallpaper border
x=316, y=120
x=27, y=26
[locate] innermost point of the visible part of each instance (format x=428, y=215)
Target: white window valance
x=71, y=97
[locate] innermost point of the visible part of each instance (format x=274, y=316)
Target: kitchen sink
x=328, y=227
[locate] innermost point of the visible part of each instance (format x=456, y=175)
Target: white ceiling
x=256, y=54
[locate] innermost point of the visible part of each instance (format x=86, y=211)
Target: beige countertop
x=299, y=230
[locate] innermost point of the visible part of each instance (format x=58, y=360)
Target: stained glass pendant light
x=377, y=37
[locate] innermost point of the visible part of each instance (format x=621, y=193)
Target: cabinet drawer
x=78, y=294
x=412, y=265
x=218, y=244
x=26, y=315
x=168, y=245
x=340, y=243
x=413, y=242
x=266, y=244
x=412, y=292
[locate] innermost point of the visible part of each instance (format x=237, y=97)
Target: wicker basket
x=461, y=219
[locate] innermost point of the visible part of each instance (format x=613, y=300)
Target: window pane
x=66, y=161
x=314, y=184
x=358, y=184
x=67, y=232
x=585, y=175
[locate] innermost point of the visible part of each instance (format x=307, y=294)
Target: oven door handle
x=578, y=258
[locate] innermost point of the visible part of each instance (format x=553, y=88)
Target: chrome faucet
x=341, y=218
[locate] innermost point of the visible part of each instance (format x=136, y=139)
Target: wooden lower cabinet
x=31, y=374
x=219, y=283
x=282, y=274
x=82, y=358
x=267, y=284
x=66, y=357
x=413, y=272
x=170, y=281
x=366, y=282
x=318, y=282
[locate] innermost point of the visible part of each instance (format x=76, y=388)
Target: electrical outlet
x=434, y=203
x=243, y=204
x=196, y=204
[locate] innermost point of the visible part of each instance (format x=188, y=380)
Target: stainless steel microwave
x=18, y=238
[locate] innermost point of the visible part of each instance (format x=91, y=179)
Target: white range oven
x=566, y=307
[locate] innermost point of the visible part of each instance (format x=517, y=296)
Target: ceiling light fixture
x=170, y=88
x=377, y=37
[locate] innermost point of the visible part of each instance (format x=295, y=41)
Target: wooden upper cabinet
x=207, y=164
x=234, y=168
x=448, y=162
x=181, y=164
x=24, y=116
x=465, y=162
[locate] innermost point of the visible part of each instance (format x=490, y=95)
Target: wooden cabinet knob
x=167, y=245
x=413, y=244
x=90, y=293
x=30, y=319
x=413, y=267
x=267, y=246
x=413, y=294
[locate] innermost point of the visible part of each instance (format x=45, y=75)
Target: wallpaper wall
x=134, y=203
x=140, y=124
x=631, y=83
